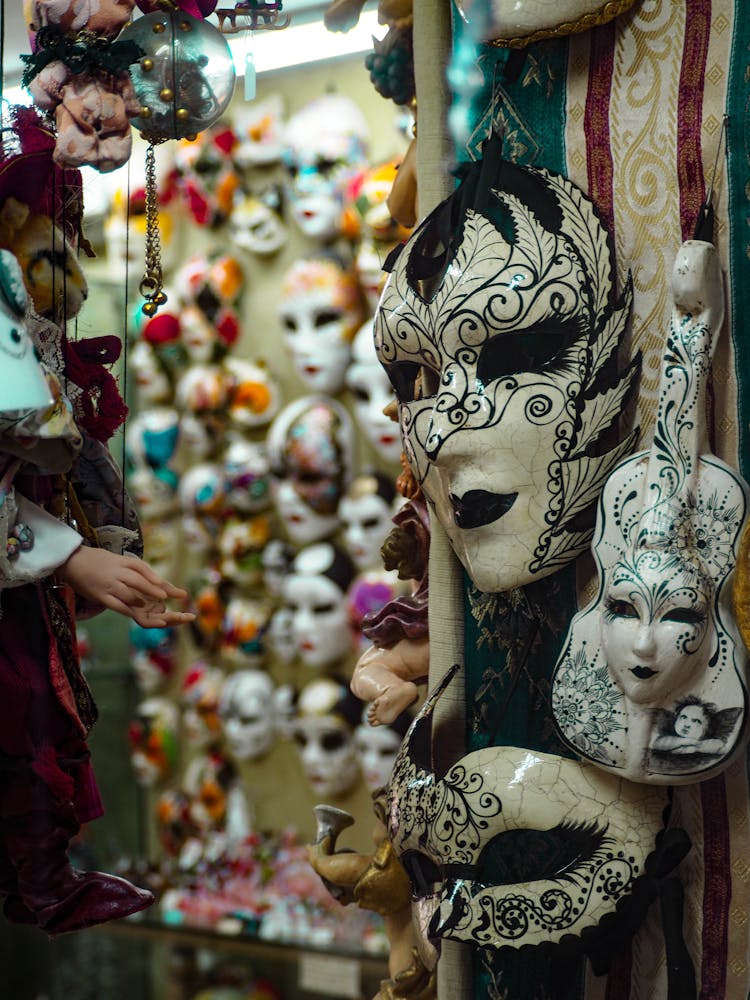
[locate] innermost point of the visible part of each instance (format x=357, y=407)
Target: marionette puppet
x=656, y=657
x=56, y=472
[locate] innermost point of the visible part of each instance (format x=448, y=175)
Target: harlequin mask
x=324, y=733
x=326, y=145
x=311, y=447
x=153, y=740
x=652, y=682
x=365, y=511
x=320, y=312
x=248, y=714
x=315, y=594
x=208, y=177
x=243, y=631
x=460, y=836
x=201, y=688
x=372, y=392
x=153, y=384
x=500, y=347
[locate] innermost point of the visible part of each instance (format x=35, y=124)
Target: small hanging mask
x=497, y=328
x=257, y=222
x=201, y=687
x=311, y=447
x=248, y=714
x=365, y=513
x=323, y=730
x=320, y=312
x=652, y=682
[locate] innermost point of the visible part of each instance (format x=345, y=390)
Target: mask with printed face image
x=498, y=328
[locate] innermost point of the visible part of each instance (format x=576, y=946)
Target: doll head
x=372, y=392
x=320, y=311
x=323, y=729
x=325, y=147
x=315, y=594
x=311, y=448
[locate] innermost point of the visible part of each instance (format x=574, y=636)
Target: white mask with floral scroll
x=652, y=681
x=499, y=328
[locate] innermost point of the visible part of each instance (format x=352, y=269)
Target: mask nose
x=645, y=643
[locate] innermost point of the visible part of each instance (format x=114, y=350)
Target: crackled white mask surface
x=497, y=331
x=453, y=832
x=652, y=680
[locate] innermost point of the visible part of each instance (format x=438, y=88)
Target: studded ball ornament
x=185, y=80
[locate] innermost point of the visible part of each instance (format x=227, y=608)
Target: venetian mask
x=497, y=329
x=311, y=448
x=203, y=390
x=281, y=635
x=243, y=630
x=207, y=781
x=372, y=392
x=247, y=472
x=202, y=496
x=652, y=683
x=377, y=748
x=277, y=558
x=254, y=394
x=201, y=688
x=320, y=312
x=154, y=492
x=153, y=384
x=153, y=439
x=248, y=714
x=323, y=730
x=380, y=233
x=260, y=132
x=153, y=740
x=365, y=511
x=315, y=594
x=325, y=147
x=466, y=840
x=257, y=222
x=240, y=546
x=208, y=176
x=152, y=656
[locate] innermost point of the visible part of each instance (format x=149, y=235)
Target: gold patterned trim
x=591, y=19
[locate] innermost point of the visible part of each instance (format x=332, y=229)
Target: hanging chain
x=151, y=285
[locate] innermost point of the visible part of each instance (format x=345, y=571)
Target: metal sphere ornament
x=184, y=83
x=185, y=80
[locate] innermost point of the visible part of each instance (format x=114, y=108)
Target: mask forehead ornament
x=499, y=328
x=656, y=658
x=452, y=833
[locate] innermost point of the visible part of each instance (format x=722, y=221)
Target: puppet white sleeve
x=39, y=542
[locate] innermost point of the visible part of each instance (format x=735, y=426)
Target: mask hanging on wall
x=656, y=658
x=499, y=329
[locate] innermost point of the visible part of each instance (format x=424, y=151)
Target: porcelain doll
x=486, y=366
x=656, y=656
x=325, y=148
x=249, y=714
x=323, y=729
x=311, y=448
x=315, y=594
x=365, y=511
x=320, y=311
x=372, y=392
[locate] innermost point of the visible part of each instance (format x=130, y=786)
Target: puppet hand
x=124, y=584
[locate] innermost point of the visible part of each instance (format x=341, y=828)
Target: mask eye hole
x=412, y=381
x=326, y=317
x=333, y=741
x=619, y=609
x=685, y=616
x=423, y=873
x=532, y=350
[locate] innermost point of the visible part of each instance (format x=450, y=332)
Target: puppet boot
x=60, y=897
x=13, y=908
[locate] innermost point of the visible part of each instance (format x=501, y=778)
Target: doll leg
x=59, y=897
